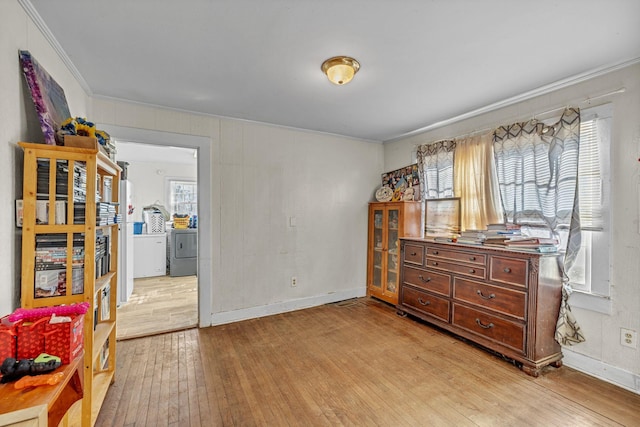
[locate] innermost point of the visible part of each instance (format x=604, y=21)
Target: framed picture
x=48, y=98
x=442, y=217
x=402, y=179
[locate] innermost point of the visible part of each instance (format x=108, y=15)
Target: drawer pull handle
x=423, y=302
x=413, y=254
x=435, y=252
x=483, y=326
x=472, y=258
x=490, y=296
x=471, y=270
x=507, y=270
x=434, y=263
x=428, y=279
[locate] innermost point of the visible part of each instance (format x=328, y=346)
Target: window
x=436, y=163
x=183, y=197
x=590, y=273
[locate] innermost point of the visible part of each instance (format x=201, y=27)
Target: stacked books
x=505, y=235
x=471, y=237
x=51, y=265
x=106, y=213
x=79, y=174
x=541, y=244
x=103, y=256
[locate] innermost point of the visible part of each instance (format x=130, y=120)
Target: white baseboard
x=596, y=368
x=285, y=306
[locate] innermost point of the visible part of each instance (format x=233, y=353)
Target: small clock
x=384, y=194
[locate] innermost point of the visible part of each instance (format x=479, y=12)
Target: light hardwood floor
x=352, y=363
x=157, y=305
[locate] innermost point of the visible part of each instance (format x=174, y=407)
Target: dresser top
x=481, y=247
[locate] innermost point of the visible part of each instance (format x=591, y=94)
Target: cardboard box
x=65, y=340
x=80, y=141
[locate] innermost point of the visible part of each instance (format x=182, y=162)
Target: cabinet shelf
x=103, y=281
x=59, y=228
x=101, y=383
x=100, y=335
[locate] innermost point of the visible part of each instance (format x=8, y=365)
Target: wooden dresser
x=504, y=300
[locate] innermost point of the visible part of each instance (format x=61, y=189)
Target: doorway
x=158, y=240
x=193, y=286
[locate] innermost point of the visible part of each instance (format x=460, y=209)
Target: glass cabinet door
x=378, y=246
x=391, y=281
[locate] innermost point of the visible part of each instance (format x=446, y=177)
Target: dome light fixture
x=340, y=69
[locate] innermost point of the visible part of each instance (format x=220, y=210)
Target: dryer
x=182, y=251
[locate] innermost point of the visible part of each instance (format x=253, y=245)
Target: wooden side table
x=42, y=405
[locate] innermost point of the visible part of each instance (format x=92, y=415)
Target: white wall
x=602, y=354
x=18, y=122
x=261, y=177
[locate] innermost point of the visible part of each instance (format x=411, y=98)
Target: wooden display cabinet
x=61, y=222
x=388, y=221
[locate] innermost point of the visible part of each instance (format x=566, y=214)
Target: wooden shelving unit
x=73, y=191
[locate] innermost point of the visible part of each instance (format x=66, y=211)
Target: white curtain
x=537, y=168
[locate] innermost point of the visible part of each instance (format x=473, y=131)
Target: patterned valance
x=433, y=148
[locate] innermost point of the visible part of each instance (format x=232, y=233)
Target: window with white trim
x=590, y=273
x=183, y=197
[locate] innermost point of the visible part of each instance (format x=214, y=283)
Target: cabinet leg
x=557, y=364
x=530, y=370
x=401, y=313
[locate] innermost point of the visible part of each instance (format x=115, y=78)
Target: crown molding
x=48, y=35
x=543, y=90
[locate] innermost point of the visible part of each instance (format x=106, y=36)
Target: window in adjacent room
x=183, y=197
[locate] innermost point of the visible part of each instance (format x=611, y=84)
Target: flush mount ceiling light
x=340, y=69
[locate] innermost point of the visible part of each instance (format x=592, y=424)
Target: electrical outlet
x=294, y=281
x=628, y=338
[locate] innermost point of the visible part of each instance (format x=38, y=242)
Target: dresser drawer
x=426, y=303
x=452, y=254
x=476, y=271
x=413, y=254
x=429, y=280
x=508, y=270
x=505, y=301
x=510, y=334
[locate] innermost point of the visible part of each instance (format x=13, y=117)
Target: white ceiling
x=422, y=61
x=136, y=152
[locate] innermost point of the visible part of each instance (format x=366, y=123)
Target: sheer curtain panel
x=537, y=169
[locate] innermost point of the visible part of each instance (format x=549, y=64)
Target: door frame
x=205, y=226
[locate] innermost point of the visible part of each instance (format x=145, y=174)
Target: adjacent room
x=158, y=282
x=320, y=213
